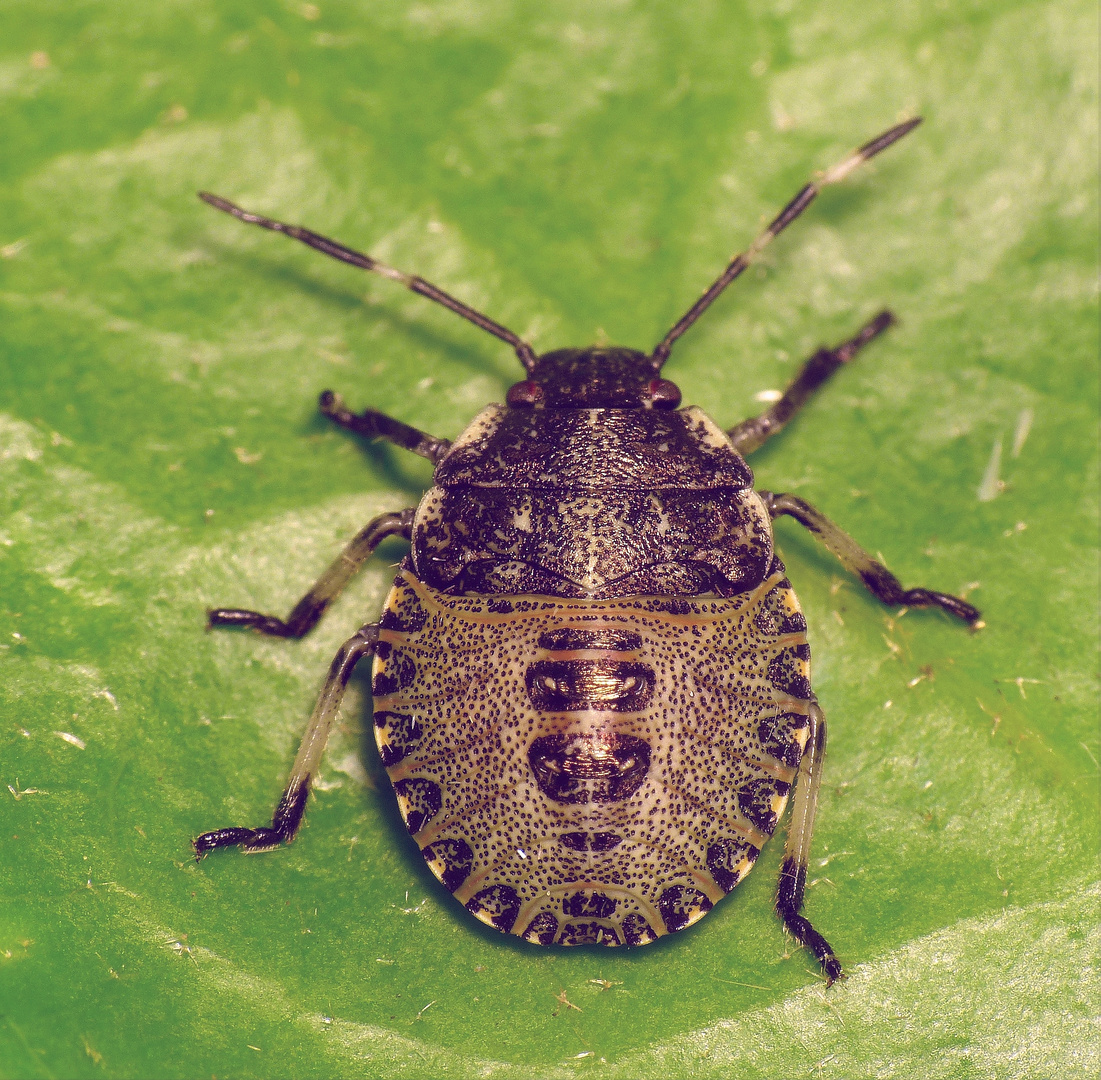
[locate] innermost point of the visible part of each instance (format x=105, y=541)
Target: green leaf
x=579, y=172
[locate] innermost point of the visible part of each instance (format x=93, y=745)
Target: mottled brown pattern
x=592, y=503
x=593, y=450
x=722, y=741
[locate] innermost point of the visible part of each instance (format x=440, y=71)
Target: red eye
x=663, y=394
x=523, y=395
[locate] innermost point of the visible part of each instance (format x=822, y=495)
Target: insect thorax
x=592, y=503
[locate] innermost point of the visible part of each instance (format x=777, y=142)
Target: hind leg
x=288, y=814
x=878, y=580
x=793, y=873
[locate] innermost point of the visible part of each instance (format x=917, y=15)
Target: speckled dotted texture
x=594, y=503
x=591, y=772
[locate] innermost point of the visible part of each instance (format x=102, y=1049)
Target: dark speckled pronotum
x=591, y=677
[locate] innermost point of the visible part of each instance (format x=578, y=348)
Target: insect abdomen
x=581, y=772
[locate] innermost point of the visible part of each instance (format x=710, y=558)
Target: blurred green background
x=580, y=171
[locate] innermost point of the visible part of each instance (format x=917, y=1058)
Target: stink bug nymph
x=591, y=676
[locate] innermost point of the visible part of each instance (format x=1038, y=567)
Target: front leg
x=288, y=814
x=372, y=424
x=752, y=433
x=327, y=587
x=879, y=581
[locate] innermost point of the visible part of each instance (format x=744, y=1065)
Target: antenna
x=782, y=220
x=524, y=351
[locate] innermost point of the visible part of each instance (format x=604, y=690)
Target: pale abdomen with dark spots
x=581, y=771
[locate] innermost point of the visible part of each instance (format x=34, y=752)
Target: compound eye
x=524, y=395
x=663, y=394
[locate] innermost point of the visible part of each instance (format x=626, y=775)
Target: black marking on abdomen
x=588, y=933
x=584, y=685
x=419, y=800
x=398, y=734
x=680, y=905
x=451, y=860
x=542, y=930
x=774, y=615
x=407, y=616
x=777, y=736
x=398, y=671
x=756, y=799
x=589, y=768
x=786, y=671
x=725, y=856
x=597, y=841
x=498, y=904
x=571, y=637
x=637, y=931
x=604, y=841
x=594, y=905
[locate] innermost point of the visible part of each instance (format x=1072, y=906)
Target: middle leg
x=878, y=580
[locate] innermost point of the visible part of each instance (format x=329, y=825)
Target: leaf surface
x=580, y=172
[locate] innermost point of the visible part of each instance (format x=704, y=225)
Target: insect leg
x=327, y=587
x=802, y=200
x=292, y=805
x=365, y=262
x=793, y=872
x=879, y=581
x=751, y=433
x=375, y=425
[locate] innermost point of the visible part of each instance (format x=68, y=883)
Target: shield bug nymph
x=591, y=676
